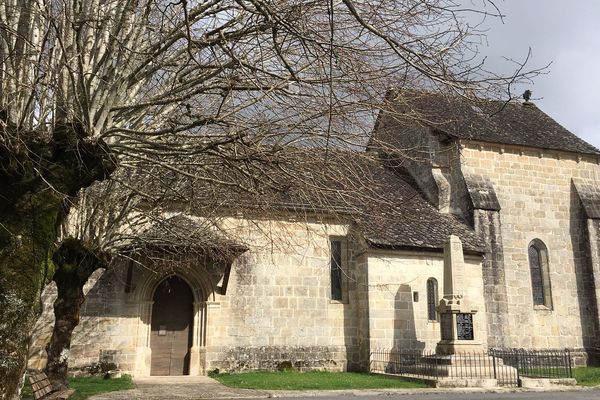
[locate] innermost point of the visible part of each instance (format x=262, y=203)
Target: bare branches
x=191, y=86
x=124, y=66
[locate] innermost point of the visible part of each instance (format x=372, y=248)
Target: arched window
x=540, y=276
x=432, y=299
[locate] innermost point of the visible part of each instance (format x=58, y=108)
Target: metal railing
x=537, y=363
x=507, y=366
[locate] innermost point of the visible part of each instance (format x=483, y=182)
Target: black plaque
x=446, y=327
x=464, y=326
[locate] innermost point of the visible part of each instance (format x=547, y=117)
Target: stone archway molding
x=203, y=289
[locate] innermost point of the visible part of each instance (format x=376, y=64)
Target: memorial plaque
x=446, y=327
x=464, y=326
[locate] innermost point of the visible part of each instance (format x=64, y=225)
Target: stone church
x=516, y=191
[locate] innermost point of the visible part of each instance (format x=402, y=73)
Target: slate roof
x=408, y=220
x=384, y=205
x=482, y=192
x=589, y=196
x=184, y=233
x=514, y=122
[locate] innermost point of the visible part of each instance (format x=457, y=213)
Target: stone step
x=460, y=359
x=452, y=371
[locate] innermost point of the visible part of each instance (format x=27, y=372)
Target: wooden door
x=171, y=329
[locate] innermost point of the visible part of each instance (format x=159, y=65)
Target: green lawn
x=587, y=376
x=318, y=380
x=89, y=385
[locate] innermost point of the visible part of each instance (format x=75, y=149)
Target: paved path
x=202, y=387
x=179, y=387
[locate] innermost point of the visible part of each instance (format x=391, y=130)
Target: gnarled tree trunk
x=75, y=262
x=35, y=179
x=27, y=231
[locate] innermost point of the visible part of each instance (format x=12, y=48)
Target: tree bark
x=35, y=179
x=75, y=262
x=26, y=233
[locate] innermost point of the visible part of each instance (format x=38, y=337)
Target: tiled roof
x=515, y=123
x=408, y=220
x=181, y=232
x=589, y=196
x=385, y=206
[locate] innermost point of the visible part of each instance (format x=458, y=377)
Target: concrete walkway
x=203, y=387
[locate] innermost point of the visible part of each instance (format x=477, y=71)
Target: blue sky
x=565, y=33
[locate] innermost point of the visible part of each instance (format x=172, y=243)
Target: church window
x=432, y=299
x=337, y=268
x=540, y=276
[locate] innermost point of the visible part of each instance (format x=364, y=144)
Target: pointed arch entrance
x=172, y=325
x=204, y=279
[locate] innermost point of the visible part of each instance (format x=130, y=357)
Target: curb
x=389, y=392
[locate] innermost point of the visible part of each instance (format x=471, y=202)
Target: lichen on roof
x=495, y=121
x=354, y=186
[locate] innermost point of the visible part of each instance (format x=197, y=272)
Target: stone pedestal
x=457, y=329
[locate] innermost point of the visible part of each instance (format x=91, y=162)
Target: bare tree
x=89, y=86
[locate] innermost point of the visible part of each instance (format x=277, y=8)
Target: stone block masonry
x=538, y=201
x=277, y=307
x=271, y=358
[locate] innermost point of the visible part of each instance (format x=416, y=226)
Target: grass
x=87, y=386
x=587, y=376
x=549, y=372
x=314, y=380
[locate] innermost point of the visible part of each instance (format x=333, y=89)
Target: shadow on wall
x=405, y=332
x=588, y=304
x=99, y=291
x=106, y=308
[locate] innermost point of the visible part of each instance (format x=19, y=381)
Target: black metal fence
x=537, y=363
x=507, y=366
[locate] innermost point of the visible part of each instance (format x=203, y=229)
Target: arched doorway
x=171, y=327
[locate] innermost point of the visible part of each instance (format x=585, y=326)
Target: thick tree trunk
x=66, y=313
x=75, y=262
x=35, y=179
x=26, y=233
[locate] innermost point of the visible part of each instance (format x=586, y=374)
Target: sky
x=565, y=33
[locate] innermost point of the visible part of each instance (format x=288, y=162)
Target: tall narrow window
x=540, y=276
x=336, y=269
x=432, y=299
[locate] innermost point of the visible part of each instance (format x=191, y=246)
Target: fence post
x=494, y=364
x=569, y=361
x=519, y=383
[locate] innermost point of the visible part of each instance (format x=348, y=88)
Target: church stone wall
x=398, y=319
x=278, y=302
x=538, y=200
x=277, y=307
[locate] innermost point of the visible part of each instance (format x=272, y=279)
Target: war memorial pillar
x=457, y=322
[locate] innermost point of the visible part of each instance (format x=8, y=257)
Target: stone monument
x=457, y=323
